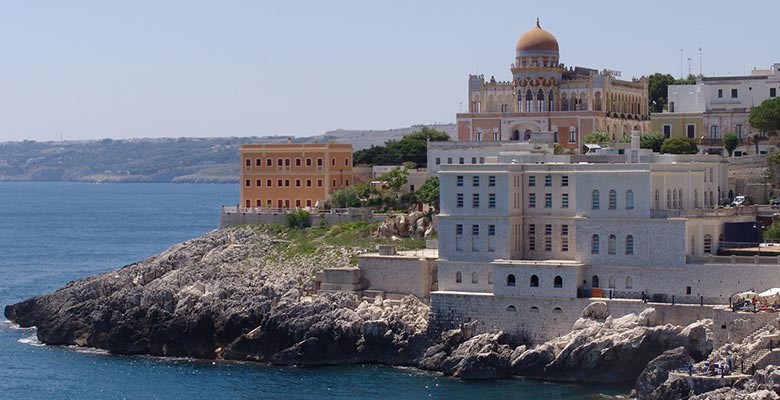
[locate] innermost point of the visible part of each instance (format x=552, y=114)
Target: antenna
x=689, y=66
x=681, y=63
x=700, y=73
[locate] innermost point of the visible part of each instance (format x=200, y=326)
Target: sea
x=53, y=233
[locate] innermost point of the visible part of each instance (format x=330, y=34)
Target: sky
x=107, y=69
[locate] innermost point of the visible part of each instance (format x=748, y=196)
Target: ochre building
x=546, y=96
x=293, y=175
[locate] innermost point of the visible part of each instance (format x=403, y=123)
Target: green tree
x=766, y=116
x=772, y=233
x=652, y=140
x=346, y=197
x=429, y=192
x=679, y=145
x=396, y=178
x=657, y=88
x=410, y=148
x=298, y=219
x=730, y=142
x=598, y=137
x=624, y=139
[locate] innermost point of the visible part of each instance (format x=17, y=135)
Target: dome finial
x=537, y=22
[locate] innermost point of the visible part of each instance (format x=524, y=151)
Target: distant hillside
x=213, y=160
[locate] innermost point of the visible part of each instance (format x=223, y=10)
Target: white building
x=539, y=233
x=722, y=103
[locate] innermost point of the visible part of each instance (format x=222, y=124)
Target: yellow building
x=675, y=125
x=293, y=175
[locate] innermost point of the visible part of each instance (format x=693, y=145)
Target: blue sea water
x=52, y=233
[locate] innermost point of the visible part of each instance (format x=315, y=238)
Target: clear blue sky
x=96, y=69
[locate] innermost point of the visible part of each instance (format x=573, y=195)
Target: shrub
x=298, y=219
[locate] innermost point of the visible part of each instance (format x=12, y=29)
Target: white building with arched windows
x=527, y=238
x=546, y=96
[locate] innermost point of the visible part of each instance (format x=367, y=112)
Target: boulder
x=657, y=371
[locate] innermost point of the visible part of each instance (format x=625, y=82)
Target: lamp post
x=760, y=226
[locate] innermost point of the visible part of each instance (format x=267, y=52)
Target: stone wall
x=729, y=326
x=398, y=275
x=228, y=219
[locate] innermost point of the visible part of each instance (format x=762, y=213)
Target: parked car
x=775, y=203
x=740, y=201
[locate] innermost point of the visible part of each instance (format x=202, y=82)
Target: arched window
x=474, y=277
x=534, y=281
x=629, y=245
x=594, y=244
x=679, y=198
x=629, y=283
x=458, y=277
x=557, y=310
x=674, y=199
x=510, y=280
x=708, y=244
x=612, y=200
x=611, y=282
x=558, y=282
x=657, y=200
x=534, y=309
x=594, y=281
x=668, y=198
x=550, y=101
x=528, y=100
x=511, y=309
x=629, y=199
x=248, y=162
x=540, y=100
x=594, y=200
x=612, y=244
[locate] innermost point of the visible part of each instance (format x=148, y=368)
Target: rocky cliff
x=246, y=294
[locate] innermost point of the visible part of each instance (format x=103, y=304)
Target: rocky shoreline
x=240, y=294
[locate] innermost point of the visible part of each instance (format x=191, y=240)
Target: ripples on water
x=52, y=233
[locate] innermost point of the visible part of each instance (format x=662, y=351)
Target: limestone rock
x=597, y=310
x=657, y=371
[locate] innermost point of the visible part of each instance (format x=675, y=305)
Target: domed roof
x=537, y=39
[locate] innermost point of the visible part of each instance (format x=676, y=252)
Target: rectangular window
x=475, y=200
x=438, y=160
x=268, y=182
x=279, y=162
x=564, y=230
x=667, y=131
x=319, y=162
x=459, y=180
x=547, y=243
x=565, y=180
x=531, y=237
x=714, y=132
x=531, y=180
x=475, y=181
x=279, y=183
x=332, y=162
x=459, y=201
x=286, y=162
x=449, y=160
x=491, y=230
x=287, y=183
x=491, y=181
x=319, y=182
x=297, y=162
x=565, y=200
x=308, y=162
x=564, y=244
x=461, y=160
x=308, y=183
x=297, y=183
x=248, y=183
x=259, y=183
x=491, y=200
x=548, y=200
x=738, y=129
x=572, y=136
x=268, y=162
x=548, y=180
x=531, y=200
x=734, y=93
x=720, y=93
x=691, y=131
x=548, y=230
x=491, y=238
x=475, y=230
x=473, y=160
x=459, y=229
x=772, y=92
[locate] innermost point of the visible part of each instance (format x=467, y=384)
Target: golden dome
x=537, y=39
